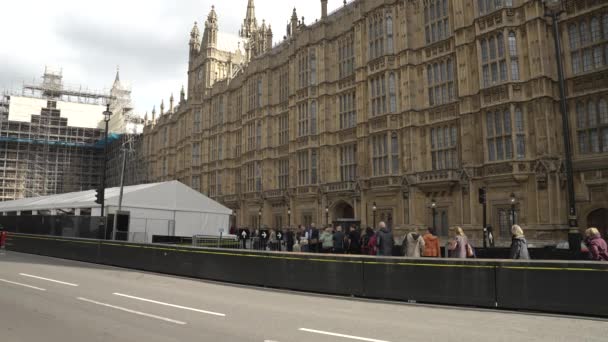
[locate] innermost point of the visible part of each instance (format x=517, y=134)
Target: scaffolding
x=136, y=167
x=46, y=156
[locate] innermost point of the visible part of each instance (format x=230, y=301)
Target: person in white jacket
x=414, y=245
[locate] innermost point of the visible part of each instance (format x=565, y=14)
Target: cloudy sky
x=147, y=38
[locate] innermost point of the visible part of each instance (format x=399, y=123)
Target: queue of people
x=381, y=242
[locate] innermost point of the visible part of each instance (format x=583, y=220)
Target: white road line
x=47, y=279
x=24, y=285
x=340, y=335
x=171, y=305
x=132, y=311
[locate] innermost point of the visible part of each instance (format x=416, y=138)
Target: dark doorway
x=344, y=210
x=599, y=220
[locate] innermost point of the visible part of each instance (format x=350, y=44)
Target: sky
x=148, y=39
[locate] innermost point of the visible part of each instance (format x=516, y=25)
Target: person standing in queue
x=598, y=250
x=414, y=245
x=290, y=239
x=459, y=245
x=431, y=244
x=313, y=239
x=354, y=241
x=368, y=242
x=338, y=240
x=385, y=241
x=327, y=240
x=519, y=245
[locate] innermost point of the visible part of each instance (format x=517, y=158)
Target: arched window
x=313, y=117
x=481, y=6
x=514, y=57
x=595, y=30
x=512, y=44
x=313, y=67
x=492, y=48
x=603, y=109
x=501, y=45
x=592, y=114
x=573, y=36
x=605, y=24
x=581, y=115
x=484, y=50
x=395, y=154
x=584, y=33
x=389, y=33
x=392, y=92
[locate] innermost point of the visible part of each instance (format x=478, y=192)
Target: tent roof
x=172, y=196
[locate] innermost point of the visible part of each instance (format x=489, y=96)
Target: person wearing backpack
x=414, y=245
x=459, y=246
x=365, y=240
x=519, y=245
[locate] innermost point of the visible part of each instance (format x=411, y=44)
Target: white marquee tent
x=170, y=208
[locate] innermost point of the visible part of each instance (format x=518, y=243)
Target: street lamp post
x=289, y=217
x=326, y=215
x=374, y=213
x=433, y=211
x=106, y=117
x=259, y=218
x=513, y=200
x=554, y=8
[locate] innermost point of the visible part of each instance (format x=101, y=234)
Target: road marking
x=132, y=311
x=340, y=335
x=171, y=305
x=24, y=285
x=47, y=279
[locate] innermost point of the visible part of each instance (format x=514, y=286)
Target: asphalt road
x=46, y=299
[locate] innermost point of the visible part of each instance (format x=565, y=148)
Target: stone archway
x=343, y=210
x=599, y=219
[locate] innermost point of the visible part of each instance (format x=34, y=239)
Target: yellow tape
x=553, y=268
x=249, y=255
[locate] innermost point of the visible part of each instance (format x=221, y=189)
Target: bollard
x=2, y=239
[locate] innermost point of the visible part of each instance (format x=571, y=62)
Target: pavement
x=53, y=300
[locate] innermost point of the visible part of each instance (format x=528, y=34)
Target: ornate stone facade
x=395, y=104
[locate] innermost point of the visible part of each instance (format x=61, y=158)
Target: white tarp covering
x=170, y=208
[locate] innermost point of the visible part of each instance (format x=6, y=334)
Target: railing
x=340, y=186
x=437, y=176
x=274, y=193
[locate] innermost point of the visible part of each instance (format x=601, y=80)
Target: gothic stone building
x=393, y=105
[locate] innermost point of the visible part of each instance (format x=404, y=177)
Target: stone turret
x=323, y=9
x=195, y=41
x=211, y=29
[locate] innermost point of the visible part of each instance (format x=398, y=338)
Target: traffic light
x=99, y=196
x=482, y=195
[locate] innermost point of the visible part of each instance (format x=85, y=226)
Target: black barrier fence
x=86, y=227
x=551, y=286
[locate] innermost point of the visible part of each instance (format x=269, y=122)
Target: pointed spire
x=162, y=106
x=250, y=11
x=294, y=15
x=117, y=80
x=195, y=40
x=182, y=95
x=171, y=103
x=154, y=114
x=146, y=118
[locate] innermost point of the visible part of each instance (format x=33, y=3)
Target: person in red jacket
x=598, y=250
